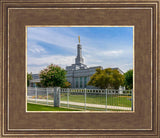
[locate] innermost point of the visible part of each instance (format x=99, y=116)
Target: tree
x=53, y=76
x=128, y=81
x=107, y=78
x=67, y=84
x=29, y=77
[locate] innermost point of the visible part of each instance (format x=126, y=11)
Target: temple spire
x=79, y=59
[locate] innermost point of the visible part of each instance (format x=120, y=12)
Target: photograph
x=80, y=68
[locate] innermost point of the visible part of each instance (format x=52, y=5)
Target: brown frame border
x=156, y=110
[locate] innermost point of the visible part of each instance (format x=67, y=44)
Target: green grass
x=97, y=99
x=36, y=107
x=114, y=100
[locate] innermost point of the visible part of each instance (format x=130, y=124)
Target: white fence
x=83, y=99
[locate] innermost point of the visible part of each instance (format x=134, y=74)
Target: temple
x=79, y=74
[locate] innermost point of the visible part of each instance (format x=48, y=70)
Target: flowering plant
x=53, y=76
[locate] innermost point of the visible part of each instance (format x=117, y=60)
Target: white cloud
x=35, y=69
x=35, y=64
x=55, y=59
x=34, y=48
x=92, y=51
x=111, y=53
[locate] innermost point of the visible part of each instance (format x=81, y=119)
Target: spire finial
x=79, y=38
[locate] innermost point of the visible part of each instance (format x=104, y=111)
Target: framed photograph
x=98, y=78
x=79, y=68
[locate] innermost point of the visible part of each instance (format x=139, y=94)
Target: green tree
x=128, y=81
x=67, y=84
x=53, y=76
x=107, y=78
x=29, y=77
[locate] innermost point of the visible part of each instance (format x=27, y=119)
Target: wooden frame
x=143, y=15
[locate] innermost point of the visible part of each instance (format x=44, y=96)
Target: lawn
x=113, y=100
x=36, y=107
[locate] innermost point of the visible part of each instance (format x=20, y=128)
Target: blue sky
x=101, y=46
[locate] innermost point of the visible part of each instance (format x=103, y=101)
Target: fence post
x=106, y=98
x=47, y=96
x=132, y=100
x=68, y=97
x=36, y=94
x=56, y=96
x=59, y=96
x=85, y=99
x=52, y=91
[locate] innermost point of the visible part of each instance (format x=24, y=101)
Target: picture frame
x=143, y=15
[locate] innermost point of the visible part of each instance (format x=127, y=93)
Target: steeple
x=79, y=60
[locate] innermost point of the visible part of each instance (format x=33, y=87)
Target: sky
x=101, y=46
